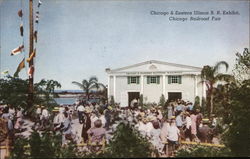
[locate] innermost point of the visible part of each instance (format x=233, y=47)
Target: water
x=69, y=101
x=65, y=100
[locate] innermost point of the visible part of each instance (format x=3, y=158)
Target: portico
x=152, y=79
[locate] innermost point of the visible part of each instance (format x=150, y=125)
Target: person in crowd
x=193, y=125
x=205, y=132
x=61, y=109
x=180, y=124
x=149, y=125
x=170, y=110
x=8, y=120
x=86, y=124
x=44, y=117
x=155, y=138
x=107, y=114
x=97, y=133
x=38, y=114
x=102, y=118
x=58, y=119
x=199, y=118
x=188, y=126
x=159, y=113
x=190, y=106
x=214, y=120
x=142, y=126
x=80, y=110
x=12, y=113
x=93, y=118
x=19, y=120
x=173, y=136
x=66, y=129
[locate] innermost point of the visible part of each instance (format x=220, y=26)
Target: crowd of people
x=162, y=125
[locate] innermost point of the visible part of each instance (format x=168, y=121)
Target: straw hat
x=172, y=117
x=109, y=107
x=151, y=118
x=56, y=109
x=144, y=119
x=87, y=110
x=205, y=121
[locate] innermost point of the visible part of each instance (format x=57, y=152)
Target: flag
x=5, y=72
x=37, y=19
x=35, y=36
x=19, y=68
x=31, y=56
x=17, y=50
x=39, y=3
x=31, y=71
x=20, y=13
x=21, y=29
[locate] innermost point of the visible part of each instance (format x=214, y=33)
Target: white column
x=204, y=89
x=108, y=86
x=142, y=84
x=114, y=87
x=195, y=83
x=164, y=85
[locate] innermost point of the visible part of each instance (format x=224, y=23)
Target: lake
x=65, y=100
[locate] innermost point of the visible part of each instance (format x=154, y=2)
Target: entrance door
x=174, y=95
x=132, y=96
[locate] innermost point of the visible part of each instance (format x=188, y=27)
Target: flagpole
x=31, y=48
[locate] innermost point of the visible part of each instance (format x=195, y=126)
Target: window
x=153, y=79
x=174, y=79
x=133, y=80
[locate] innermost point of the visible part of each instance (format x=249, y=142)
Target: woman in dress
x=193, y=125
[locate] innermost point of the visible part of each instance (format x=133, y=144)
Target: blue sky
x=80, y=38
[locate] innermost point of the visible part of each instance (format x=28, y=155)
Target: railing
x=5, y=149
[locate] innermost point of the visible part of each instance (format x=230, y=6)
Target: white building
x=152, y=79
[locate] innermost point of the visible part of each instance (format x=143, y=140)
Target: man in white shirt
x=61, y=109
x=173, y=136
x=80, y=110
x=44, y=116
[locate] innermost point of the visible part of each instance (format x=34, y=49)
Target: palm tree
x=211, y=76
x=89, y=85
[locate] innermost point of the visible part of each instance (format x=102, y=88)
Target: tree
x=128, y=143
x=210, y=75
x=162, y=100
x=236, y=136
x=112, y=101
x=14, y=91
x=89, y=85
x=141, y=100
x=197, y=103
x=242, y=66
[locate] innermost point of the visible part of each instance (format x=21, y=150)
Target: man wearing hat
x=205, y=132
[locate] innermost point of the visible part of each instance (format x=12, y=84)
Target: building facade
x=152, y=79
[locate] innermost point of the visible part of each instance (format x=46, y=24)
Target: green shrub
x=128, y=142
x=203, y=151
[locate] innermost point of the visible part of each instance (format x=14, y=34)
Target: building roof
x=155, y=66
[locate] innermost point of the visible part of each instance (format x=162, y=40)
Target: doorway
x=132, y=96
x=174, y=95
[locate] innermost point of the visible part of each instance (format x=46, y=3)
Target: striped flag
x=31, y=56
x=5, y=72
x=19, y=68
x=39, y=3
x=20, y=13
x=21, y=29
x=17, y=50
x=31, y=71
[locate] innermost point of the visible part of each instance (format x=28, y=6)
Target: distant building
x=152, y=79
